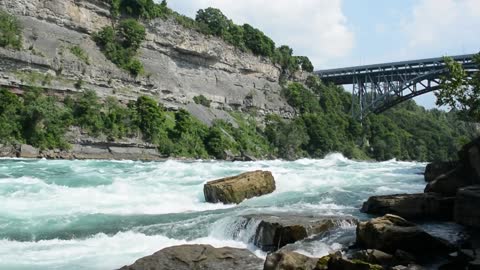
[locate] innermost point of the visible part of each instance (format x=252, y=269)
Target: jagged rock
x=286, y=260
x=391, y=233
x=276, y=231
x=467, y=206
x=235, y=189
x=411, y=206
x=187, y=257
x=449, y=183
x=435, y=169
x=470, y=159
x=28, y=151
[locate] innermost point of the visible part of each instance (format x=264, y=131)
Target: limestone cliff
x=180, y=63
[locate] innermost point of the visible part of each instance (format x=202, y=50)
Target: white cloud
x=315, y=28
x=444, y=25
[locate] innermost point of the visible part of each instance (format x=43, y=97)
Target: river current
x=57, y=214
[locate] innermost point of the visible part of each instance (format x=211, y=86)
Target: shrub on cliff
x=10, y=31
x=146, y=9
x=120, y=45
x=202, y=100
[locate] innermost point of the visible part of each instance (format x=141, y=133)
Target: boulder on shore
x=435, y=169
x=188, y=257
x=391, y=233
x=467, y=206
x=28, y=151
x=276, y=231
x=411, y=206
x=235, y=189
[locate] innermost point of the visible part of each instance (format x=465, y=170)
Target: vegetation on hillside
x=10, y=31
x=210, y=21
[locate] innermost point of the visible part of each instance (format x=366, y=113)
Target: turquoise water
x=105, y=214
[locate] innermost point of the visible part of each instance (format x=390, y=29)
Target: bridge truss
x=376, y=88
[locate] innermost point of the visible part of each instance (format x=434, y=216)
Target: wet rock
x=28, y=151
x=408, y=267
x=391, y=233
x=337, y=262
x=449, y=183
x=285, y=260
x=276, y=231
x=412, y=206
x=467, y=206
x=435, y=169
x=235, y=189
x=187, y=257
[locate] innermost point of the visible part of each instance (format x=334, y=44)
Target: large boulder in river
x=411, y=206
x=391, y=233
x=235, y=189
x=435, y=169
x=467, y=206
x=276, y=231
x=187, y=257
x=449, y=183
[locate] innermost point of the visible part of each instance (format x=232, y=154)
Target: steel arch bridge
x=377, y=88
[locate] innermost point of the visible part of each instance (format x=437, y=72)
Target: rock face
x=189, y=257
x=179, y=63
x=411, y=206
x=435, y=169
x=391, y=233
x=467, y=206
x=235, y=189
x=276, y=231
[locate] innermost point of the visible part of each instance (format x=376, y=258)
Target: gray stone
x=374, y=256
x=276, y=231
x=189, y=257
x=235, y=189
x=28, y=151
x=467, y=206
x=412, y=206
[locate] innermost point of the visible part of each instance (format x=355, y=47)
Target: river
x=58, y=214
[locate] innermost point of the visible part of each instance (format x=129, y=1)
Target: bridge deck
x=394, y=71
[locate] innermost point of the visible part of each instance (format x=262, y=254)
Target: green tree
x=10, y=116
x=10, y=31
x=87, y=112
x=213, y=18
x=151, y=120
x=257, y=41
x=461, y=92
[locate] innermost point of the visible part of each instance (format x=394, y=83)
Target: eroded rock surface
x=412, y=206
x=435, y=169
x=235, y=189
x=391, y=233
x=276, y=231
x=188, y=257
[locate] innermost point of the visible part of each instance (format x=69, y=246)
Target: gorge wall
x=179, y=63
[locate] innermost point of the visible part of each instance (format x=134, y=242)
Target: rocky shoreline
x=389, y=241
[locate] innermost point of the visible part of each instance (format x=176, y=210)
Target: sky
x=341, y=33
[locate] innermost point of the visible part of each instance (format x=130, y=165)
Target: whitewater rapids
x=57, y=214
